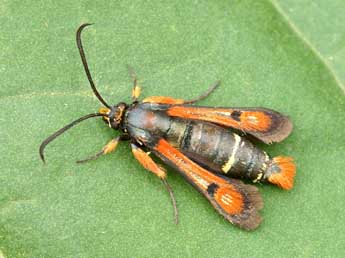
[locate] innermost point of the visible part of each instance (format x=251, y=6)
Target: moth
x=199, y=143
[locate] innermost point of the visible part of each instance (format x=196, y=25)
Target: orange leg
x=111, y=146
x=136, y=89
x=147, y=162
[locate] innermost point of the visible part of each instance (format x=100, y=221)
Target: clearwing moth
x=197, y=141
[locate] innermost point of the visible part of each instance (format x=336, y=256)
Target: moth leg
x=111, y=146
x=173, y=101
x=205, y=94
x=136, y=89
x=147, y=162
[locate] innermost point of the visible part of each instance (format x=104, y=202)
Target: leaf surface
x=274, y=54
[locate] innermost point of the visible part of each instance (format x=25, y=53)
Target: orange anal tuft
x=285, y=177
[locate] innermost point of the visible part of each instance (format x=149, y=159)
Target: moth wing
x=265, y=124
x=237, y=202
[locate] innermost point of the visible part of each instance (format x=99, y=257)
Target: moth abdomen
x=225, y=152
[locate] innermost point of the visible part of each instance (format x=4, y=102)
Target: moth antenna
x=86, y=67
x=62, y=130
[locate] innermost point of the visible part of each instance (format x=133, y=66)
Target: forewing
x=237, y=202
x=265, y=124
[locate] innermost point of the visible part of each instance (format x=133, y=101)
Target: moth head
x=113, y=116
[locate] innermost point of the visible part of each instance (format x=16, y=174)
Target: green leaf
x=284, y=55
x=321, y=26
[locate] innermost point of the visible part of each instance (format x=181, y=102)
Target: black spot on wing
x=212, y=188
x=236, y=115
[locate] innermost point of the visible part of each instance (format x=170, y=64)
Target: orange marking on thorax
x=120, y=114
